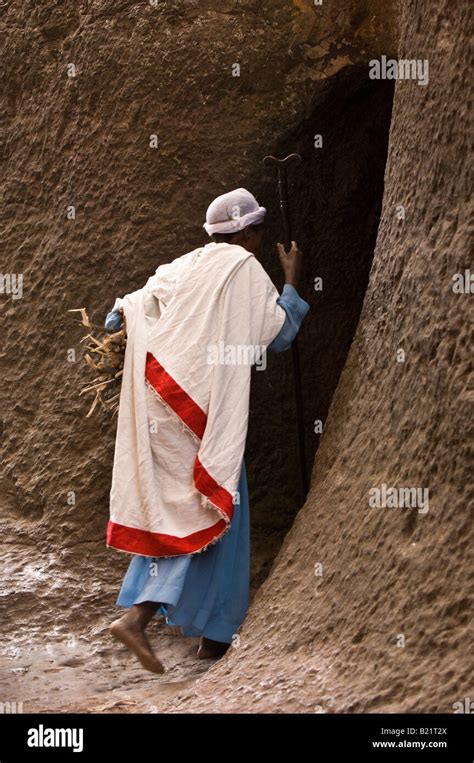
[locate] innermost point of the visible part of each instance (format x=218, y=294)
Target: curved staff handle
x=282, y=165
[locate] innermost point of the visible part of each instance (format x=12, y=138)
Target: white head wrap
x=233, y=211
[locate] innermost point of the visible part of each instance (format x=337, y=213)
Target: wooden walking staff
x=282, y=164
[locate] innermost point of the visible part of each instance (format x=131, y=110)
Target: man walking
x=179, y=497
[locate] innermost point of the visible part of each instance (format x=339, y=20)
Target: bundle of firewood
x=105, y=357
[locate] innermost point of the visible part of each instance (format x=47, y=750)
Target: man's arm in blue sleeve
x=295, y=308
x=113, y=320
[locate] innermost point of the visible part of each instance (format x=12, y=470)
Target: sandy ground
x=96, y=674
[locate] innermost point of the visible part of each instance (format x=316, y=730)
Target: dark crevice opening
x=335, y=203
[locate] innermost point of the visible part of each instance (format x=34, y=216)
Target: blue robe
x=207, y=593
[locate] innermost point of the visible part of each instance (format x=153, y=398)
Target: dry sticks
x=105, y=358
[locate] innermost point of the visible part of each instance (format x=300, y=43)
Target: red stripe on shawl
x=148, y=543
x=175, y=396
x=207, y=485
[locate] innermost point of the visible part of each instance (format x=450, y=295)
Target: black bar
x=446, y=737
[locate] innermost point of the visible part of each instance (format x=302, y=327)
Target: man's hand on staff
x=291, y=263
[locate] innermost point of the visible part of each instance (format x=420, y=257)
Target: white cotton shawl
x=182, y=420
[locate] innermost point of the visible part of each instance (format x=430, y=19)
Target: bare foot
x=132, y=635
x=209, y=648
